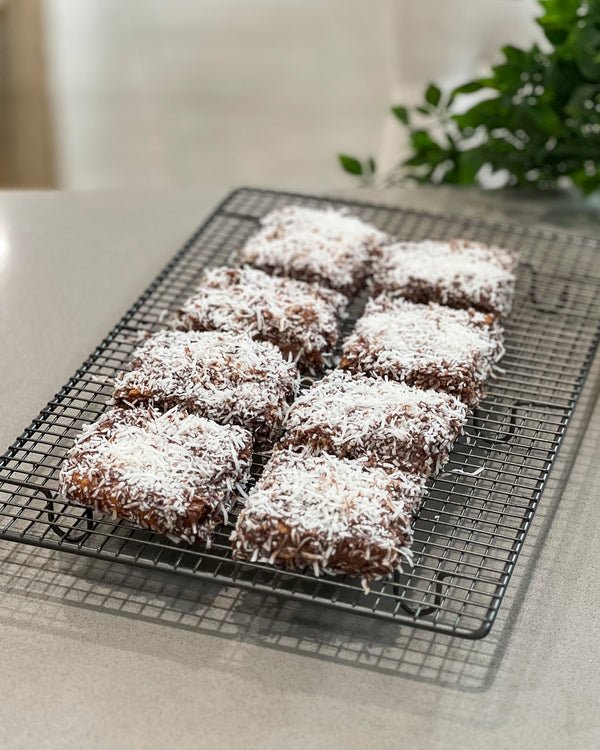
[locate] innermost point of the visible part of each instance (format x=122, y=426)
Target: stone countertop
x=99, y=655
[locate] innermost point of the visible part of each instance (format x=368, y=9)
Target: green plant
x=539, y=121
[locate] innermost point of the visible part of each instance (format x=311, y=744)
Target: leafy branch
x=535, y=118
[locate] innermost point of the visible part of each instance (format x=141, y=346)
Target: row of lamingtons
x=341, y=489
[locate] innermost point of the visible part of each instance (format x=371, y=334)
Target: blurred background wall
x=181, y=92
x=159, y=93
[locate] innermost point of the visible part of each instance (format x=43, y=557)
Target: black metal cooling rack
x=476, y=514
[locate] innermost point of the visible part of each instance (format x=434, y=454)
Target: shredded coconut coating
x=223, y=376
x=427, y=346
x=458, y=273
x=329, y=514
x=301, y=319
x=326, y=247
x=174, y=473
x=389, y=424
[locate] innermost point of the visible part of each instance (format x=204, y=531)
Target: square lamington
x=458, y=273
x=325, y=247
x=329, y=514
x=427, y=346
x=301, y=319
x=174, y=473
x=391, y=425
x=222, y=376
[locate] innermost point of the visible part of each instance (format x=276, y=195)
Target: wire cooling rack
x=476, y=514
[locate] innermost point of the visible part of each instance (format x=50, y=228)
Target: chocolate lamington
x=174, y=473
x=301, y=319
x=391, y=425
x=327, y=247
x=329, y=514
x=458, y=273
x=222, y=376
x=427, y=346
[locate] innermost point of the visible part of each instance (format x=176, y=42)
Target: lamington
x=458, y=273
x=389, y=424
x=327, y=247
x=301, y=319
x=222, y=376
x=174, y=473
x=427, y=346
x=329, y=514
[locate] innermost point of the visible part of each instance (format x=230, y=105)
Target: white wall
x=226, y=92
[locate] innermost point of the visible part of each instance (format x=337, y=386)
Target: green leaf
x=584, y=181
x=557, y=36
x=423, y=111
x=489, y=113
x=576, y=106
x=586, y=48
x=371, y=165
x=544, y=118
x=562, y=78
x=514, y=55
x=422, y=141
x=559, y=14
x=468, y=88
x=468, y=164
x=350, y=164
x=451, y=175
x=401, y=113
x=505, y=78
x=560, y=17
x=433, y=95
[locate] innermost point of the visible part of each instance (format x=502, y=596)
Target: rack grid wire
x=476, y=513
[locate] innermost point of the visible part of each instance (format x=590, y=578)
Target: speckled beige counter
x=96, y=655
